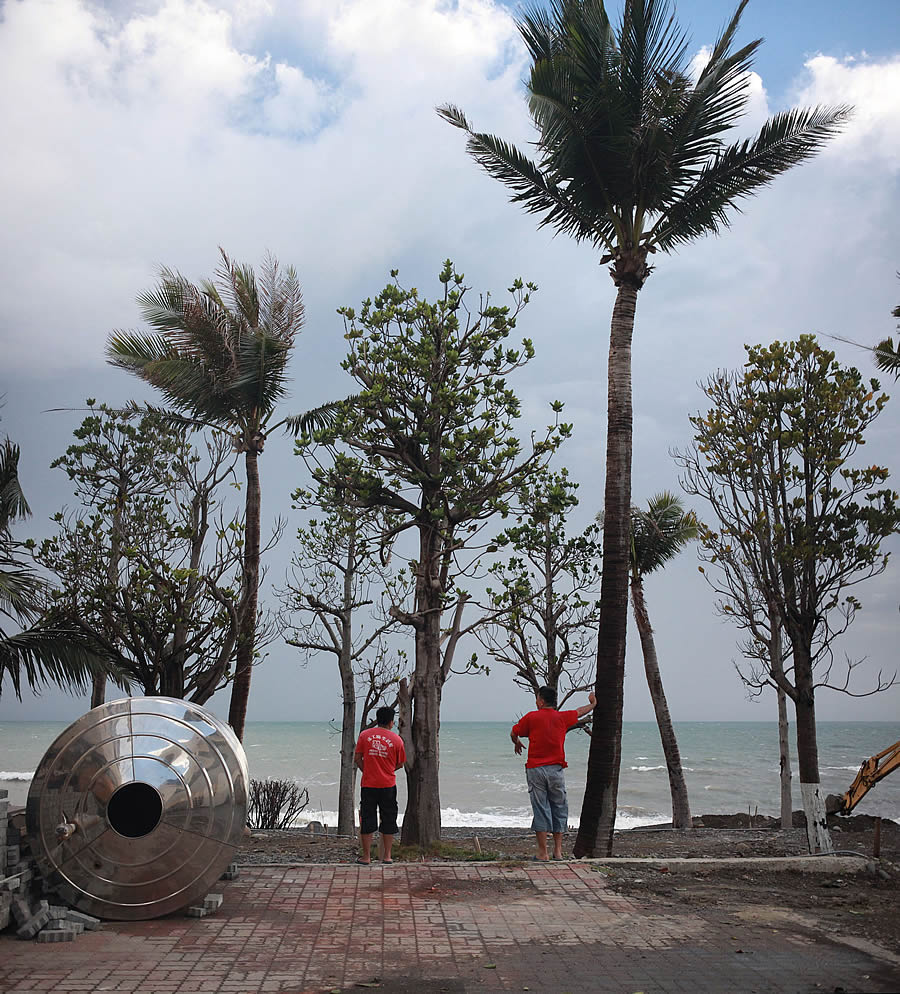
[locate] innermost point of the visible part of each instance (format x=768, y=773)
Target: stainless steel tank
x=137, y=808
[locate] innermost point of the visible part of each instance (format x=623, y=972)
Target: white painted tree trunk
x=817, y=833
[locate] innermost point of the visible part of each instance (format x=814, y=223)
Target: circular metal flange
x=138, y=807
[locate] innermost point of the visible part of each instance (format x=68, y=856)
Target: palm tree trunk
x=784, y=758
x=240, y=688
x=598, y=812
x=681, y=809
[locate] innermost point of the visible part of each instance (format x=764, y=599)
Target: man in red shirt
x=379, y=754
x=546, y=730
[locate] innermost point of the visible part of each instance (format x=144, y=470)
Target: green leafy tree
x=800, y=523
x=543, y=593
x=433, y=428
x=37, y=647
x=148, y=565
x=658, y=533
x=632, y=158
x=335, y=575
x=219, y=355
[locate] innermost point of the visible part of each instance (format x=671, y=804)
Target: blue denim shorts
x=549, y=803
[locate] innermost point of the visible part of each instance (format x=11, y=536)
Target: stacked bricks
x=23, y=893
x=23, y=904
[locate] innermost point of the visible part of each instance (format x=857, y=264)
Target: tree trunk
x=240, y=688
x=784, y=753
x=347, y=789
x=817, y=833
x=598, y=812
x=422, y=819
x=98, y=690
x=681, y=808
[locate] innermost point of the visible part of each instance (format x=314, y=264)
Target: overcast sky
x=148, y=133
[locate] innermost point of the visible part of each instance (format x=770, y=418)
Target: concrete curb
x=805, y=864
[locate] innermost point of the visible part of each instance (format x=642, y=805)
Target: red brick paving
x=438, y=927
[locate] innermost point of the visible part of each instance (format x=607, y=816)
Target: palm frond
x=784, y=141
x=659, y=532
x=20, y=590
x=48, y=653
x=534, y=189
x=651, y=47
x=239, y=282
x=317, y=419
x=13, y=504
x=887, y=358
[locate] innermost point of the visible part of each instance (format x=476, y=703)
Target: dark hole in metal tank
x=134, y=810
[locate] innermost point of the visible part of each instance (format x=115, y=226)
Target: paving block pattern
x=420, y=928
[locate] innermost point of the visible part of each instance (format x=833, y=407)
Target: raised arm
x=583, y=710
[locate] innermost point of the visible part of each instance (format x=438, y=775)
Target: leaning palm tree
x=220, y=356
x=632, y=158
x=36, y=647
x=657, y=535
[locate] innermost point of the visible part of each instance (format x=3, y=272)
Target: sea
x=730, y=767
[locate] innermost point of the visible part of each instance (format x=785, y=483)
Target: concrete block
x=4, y=918
x=76, y=927
x=21, y=909
x=212, y=902
x=34, y=924
x=231, y=873
x=195, y=911
x=90, y=923
x=56, y=935
x=12, y=855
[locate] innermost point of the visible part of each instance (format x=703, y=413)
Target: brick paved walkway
x=440, y=928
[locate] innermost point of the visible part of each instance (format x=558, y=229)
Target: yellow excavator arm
x=875, y=768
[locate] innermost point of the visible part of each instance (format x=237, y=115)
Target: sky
x=149, y=133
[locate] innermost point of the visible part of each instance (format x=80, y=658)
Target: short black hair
x=548, y=696
x=384, y=716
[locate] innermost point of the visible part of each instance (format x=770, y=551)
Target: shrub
x=275, y=803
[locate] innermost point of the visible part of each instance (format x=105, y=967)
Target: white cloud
x=873, y=90
x=150, y=133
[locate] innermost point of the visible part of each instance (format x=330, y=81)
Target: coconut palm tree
x=220, y=357
x=632, y=158
x=42, y=649
x=657, y=535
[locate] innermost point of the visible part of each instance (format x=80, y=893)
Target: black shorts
x=373, y=800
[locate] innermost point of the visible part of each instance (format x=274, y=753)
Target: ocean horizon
x=729, y=767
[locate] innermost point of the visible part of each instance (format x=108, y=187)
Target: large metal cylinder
x=138, y=807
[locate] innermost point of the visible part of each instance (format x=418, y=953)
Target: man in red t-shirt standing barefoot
x=379, y=754
x=546, y=730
